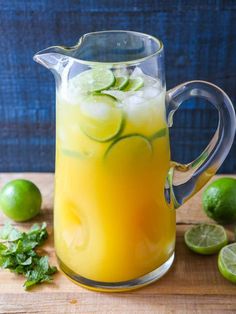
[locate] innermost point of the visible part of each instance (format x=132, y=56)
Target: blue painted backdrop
x=200, y=43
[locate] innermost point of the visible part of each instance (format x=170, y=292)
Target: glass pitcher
x=116, y=188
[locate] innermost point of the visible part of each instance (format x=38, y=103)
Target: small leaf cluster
x=18, y=253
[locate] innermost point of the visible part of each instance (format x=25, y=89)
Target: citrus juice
x=112, y=221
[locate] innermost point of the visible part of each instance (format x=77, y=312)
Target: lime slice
x=94, y=80
x=120, y=82
x=158, y=134
x=227, y=262
x=129, y=150
x=206, y=239
x=134, y=84
x=75, y=154
x=99, y=118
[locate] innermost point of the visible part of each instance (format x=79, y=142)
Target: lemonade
x=112, y=221
x=116, y=189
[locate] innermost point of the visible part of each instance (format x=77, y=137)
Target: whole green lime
x=20, y=200
x=219, y=200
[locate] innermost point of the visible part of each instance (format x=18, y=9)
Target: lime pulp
x=99, y=117
x=129, y=150
x=206, y=239
x=94, y=80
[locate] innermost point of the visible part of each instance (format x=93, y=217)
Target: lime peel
x=120, y=82
x=219, y=200
x=134, y=84
x=20, y=200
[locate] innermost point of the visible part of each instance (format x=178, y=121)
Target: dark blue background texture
x=200, y=43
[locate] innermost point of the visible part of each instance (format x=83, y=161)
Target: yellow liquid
x=112, y=222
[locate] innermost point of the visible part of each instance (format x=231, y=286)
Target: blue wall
x=200, y=43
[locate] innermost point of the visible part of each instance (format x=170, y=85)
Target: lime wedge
x=134, y=84
x=206, y=239
x=227, y=262
x=129, y=150
x=94, y=80
x=99, y=118
x=120, y=82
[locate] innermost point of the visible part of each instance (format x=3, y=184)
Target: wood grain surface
x=193, y=285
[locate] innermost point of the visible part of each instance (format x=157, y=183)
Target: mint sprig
x=18, y=254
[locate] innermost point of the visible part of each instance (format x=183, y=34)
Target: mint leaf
x=28, y=245
x=5, y=231
x=27, y=262
x=43, y=265
x=14, y=235
x=38, y=234
x=2, y=247
x=8, y=262
x=18, y=254
x=41, y=273
x=9, y=233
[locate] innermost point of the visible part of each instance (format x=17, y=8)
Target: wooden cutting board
x=193, y=285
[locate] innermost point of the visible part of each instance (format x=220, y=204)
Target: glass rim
x=135, y=61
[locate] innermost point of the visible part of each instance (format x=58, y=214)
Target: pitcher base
x=118, y=286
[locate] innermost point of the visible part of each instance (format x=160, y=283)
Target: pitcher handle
x=184, y=180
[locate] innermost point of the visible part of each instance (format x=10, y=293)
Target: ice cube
x=136, y=72
x=148, y=80
x=133, y=101
x=96, y=110
x=150, y=92
x=121, y=71
x=136, y=111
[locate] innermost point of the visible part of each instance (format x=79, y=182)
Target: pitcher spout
x=53, y=57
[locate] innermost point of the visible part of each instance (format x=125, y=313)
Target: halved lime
x=94, y=80
x=120, y=82
x=206, y=239
x=227, y=262
x=134, y=84
x=129, y=150
x=99, y=117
